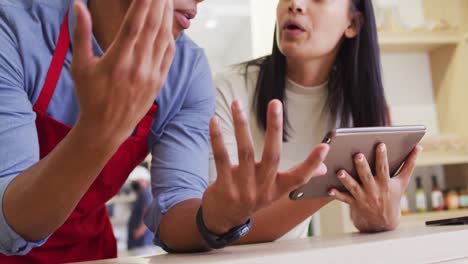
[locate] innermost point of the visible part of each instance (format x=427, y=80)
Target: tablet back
x=346, y=143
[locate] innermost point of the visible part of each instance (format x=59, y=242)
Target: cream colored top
x=307, y=113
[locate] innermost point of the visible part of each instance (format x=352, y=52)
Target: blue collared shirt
x=178, y=140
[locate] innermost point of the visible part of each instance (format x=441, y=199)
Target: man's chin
x=176, y=32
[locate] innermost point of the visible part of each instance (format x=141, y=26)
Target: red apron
x=87, y=234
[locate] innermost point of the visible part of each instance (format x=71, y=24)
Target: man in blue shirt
x=74, y=122
x=39, y=195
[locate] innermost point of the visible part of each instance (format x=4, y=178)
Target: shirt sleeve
x=18, y=136
x=180, y=156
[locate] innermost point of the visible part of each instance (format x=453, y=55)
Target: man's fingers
x=408, y=167
x=245, y=149
x=131, y=27
x=83, y=51
x=273, y=141
x=164, y=37
x=223, y=163
x=163, y=50
x=166, y=64
x=301, y=174
x=151, y=26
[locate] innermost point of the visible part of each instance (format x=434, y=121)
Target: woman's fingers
x=223, y=163
x=343, y=197
x=364, y=172
x=408, y=167
x=351, y=185
x=381, y=165
x=273, y=143
x=245, y=149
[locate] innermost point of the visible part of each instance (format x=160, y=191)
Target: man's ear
x=355, y=27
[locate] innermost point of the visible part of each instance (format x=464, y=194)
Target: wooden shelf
x=416, y=41
x=445, y=158
x=418, y=219
x=447, y=55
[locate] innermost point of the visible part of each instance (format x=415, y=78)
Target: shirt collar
x=71, y=26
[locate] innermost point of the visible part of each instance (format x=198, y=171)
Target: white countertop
x=415, y=244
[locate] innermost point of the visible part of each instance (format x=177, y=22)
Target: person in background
x=323, y=73
x=138, y=234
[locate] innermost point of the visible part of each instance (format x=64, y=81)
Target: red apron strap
x=55, y=68
x=145, y=124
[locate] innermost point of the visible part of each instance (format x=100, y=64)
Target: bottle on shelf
x=421, y=202
x=437, y=198
x=463, y=199
x=404, y=204
x=452, y=200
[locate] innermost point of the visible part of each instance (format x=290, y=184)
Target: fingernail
x=322, y=155
x=360, y=157
x=331, y=193
x=276, y=109
x=216, y=120
x=341, y=175
x=239, y=106
x=382, y=148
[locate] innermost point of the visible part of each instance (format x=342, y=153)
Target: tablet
x=346, y=143
x=449, y=221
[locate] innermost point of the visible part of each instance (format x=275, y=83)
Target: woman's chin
x=292, y=52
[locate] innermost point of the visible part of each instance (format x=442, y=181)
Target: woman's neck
x=310, y=73
x=107, y=16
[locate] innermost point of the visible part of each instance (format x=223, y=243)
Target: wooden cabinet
x=448, y=56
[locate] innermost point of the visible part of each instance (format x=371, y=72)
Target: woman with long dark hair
x=324, y=72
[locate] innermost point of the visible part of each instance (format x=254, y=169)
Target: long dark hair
x=355, y=88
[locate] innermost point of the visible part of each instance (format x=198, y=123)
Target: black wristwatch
x=218, y=242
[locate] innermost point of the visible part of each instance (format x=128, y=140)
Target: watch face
x=244, y=231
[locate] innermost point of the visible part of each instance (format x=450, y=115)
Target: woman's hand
x=241, y=190
x=375, y=205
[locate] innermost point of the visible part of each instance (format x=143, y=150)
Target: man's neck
x=107, y=16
